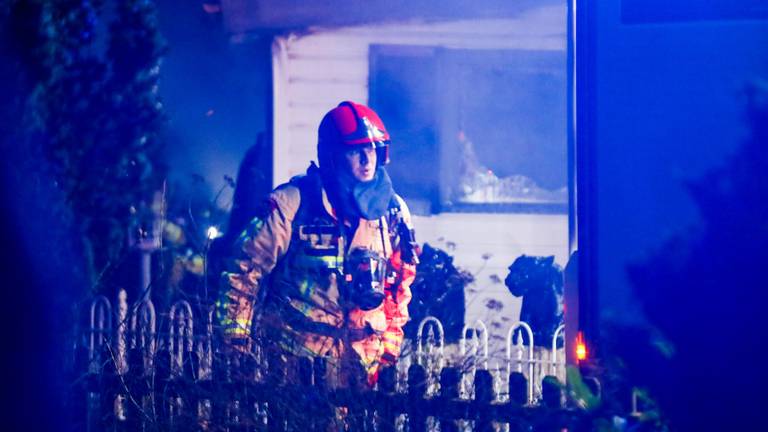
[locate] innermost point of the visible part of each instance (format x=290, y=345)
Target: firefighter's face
x=361, y=161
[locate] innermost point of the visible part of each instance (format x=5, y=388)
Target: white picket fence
x=136, y=327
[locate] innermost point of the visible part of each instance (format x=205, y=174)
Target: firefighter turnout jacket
x=286, y=281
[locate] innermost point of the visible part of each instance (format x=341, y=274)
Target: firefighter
x=325, y=269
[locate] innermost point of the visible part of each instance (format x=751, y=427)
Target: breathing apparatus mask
x=365, y=275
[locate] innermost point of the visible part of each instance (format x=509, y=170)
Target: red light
x=581, y=347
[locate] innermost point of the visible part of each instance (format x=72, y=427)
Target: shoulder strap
x=310, y=189
x=395, y=213
x=404, y=231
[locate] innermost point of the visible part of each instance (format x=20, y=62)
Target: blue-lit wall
x=667, y=105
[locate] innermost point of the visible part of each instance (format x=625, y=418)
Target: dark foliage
x=705, y=290
x=93, y=107
x=438, y=291
x=79, y=152
x=540, y=282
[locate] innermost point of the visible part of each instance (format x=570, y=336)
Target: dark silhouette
x=254, y=182
x=438, y=291
x=705, y=291
x=540, y=282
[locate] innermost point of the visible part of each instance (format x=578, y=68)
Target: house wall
x=313, y=72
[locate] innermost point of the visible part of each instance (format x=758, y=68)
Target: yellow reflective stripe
x=390, y=337
x=331, y=261
x=242, y=322
x=253, y=228
x=391, y=347
x=304, y=288
x=237, y=331
x=239, y=326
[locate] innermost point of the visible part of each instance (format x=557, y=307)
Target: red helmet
x=351, y=124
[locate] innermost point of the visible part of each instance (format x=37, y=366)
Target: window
x=474, y=130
